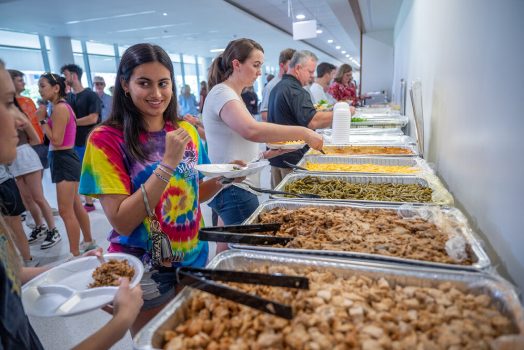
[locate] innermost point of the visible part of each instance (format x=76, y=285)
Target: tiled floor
x=64, y=333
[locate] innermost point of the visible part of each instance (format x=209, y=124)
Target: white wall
x=469, y=56
x=377, y=61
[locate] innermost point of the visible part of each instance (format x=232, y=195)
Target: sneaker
x=87, y=246
x=31, y=262
x=52, y=238
x=89, y=207
x=37, y=234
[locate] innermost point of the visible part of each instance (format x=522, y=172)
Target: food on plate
x=108, y=273
x=366, y=230
x=361, y=150
x=341, y=189
x=297, y=142
x=351, y=312
x=358, y=119
x=323, y=105
x=362, y=168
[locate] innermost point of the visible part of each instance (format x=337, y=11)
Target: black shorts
x=65, y=166
x=42, y=150
x=10, y=200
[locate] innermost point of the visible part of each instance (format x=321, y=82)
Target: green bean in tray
x=340, y=189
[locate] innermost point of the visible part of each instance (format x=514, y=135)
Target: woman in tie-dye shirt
x=142, y=142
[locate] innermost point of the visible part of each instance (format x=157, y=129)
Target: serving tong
x=299, y=195
x=245, y=234
x=203, y=279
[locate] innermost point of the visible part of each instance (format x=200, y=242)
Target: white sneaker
x=87, y=246
x=52, y=238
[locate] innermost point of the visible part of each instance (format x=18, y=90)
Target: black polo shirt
x=290, y=104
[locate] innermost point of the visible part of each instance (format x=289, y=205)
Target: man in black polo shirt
x=290, y=104
x=87, y=108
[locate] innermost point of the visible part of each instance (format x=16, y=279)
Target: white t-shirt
x=225, y=144
x=317, y=93
x=264, y=105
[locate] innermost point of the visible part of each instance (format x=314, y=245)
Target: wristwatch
x=43, y=121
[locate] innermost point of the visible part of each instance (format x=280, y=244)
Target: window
x=191, y=77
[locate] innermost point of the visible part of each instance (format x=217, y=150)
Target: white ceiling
x=379, y=15
x=193, y=27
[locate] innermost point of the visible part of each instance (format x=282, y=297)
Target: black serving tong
x=202, y=279
x=294, y=166
x=245, y=234
x=299, y=195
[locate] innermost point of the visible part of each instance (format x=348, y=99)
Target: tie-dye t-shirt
x=108, y=168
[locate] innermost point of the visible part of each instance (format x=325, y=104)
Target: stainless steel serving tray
x=501, y=292
x=367, y=131
x=480, y=257
x=381, y=121
x=387, y=161
x=411, y=148
x=440, y=194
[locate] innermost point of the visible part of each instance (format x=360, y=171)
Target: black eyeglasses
x=99, y=83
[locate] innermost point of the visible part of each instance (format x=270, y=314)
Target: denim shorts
x=158, y=286
x=234, y=205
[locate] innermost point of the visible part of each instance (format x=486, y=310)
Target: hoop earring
x=126, y=93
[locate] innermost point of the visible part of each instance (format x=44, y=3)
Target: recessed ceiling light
x=330, y=41
x=319, y=31
x=347, y=55
x=337, y=47
x=216, y=50
x=344, y=51
x=301, y=16
x=164, y=14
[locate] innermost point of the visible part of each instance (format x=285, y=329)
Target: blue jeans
x=234, y=205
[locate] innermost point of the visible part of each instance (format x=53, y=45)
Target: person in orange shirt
x=28, y=107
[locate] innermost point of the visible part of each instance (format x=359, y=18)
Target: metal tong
x=202, y=279
x=294, y=166
x=243, y=234
x=299, y=195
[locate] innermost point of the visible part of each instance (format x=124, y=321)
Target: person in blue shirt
x=187, y=102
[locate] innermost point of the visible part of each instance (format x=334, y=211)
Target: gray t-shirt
x=225, y=144
x=264, y=105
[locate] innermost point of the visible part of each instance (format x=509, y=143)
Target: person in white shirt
x=233, y=134
x=318, y=90
x=283, y=63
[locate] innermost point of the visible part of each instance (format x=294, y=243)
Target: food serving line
x=382, y=236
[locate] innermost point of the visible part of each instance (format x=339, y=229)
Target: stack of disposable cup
x=341, y=123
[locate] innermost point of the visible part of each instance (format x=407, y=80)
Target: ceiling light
x=343, y=51
x=164, y=14
x=330, y=41
x=337, y=47
x=319, y=31
x=347, y=56
x=301, y=16
x=111, y=17
x=216, y=50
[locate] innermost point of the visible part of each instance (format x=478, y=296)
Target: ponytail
x=222, y=67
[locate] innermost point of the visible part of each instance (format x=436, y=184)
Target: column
x=60, y=52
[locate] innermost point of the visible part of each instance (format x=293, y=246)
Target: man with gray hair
x=290, y=104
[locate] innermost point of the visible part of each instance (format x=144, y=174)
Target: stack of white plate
x=341, y=123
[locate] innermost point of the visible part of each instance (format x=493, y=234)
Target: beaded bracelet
x=160, y=177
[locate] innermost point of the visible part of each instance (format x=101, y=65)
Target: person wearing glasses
x=106, y=100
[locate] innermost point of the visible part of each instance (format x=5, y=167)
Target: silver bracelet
x=160, y=176
x=163, y=169
x=146, y=201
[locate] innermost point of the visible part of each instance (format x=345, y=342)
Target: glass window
x=28, y=61
x=105, y=67
x=79, y=61
x=19, y=39
x=100, y=49
x=202, y=70
x=76, y=45
x=189, y=59
x=175, y=57
x=178, y=76
x=191, y=77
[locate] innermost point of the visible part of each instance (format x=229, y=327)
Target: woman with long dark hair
x=141, y=165
x=231, y=131
x=16, y=331
x=65, y=165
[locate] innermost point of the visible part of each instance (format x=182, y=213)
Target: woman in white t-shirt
x=231, y=131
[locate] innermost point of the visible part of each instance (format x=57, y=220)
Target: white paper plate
x=286, y=145
x=64, y=291
x=231, y=170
